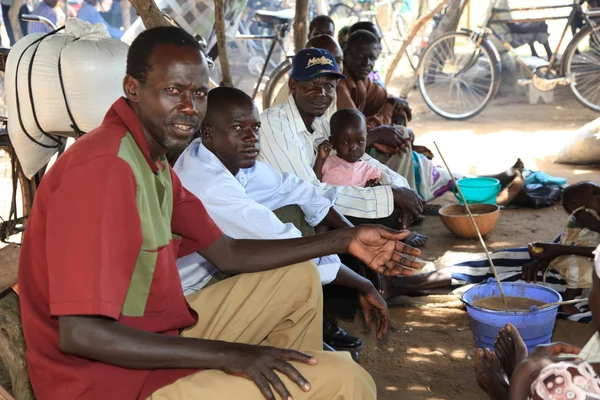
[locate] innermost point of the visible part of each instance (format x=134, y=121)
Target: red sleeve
x=93, y=238
x=191, y=221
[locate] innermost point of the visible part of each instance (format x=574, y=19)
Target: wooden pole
x=413, y=32
x=15, y=22
x=301, y=25
x=150, y=13
x=487, y=253
x=12, y=346
x=126, y=13
x=226, y=79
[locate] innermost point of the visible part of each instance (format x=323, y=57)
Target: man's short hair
x=222, y=97
x=344, y=117
x=317, y=19
x=320, y=42
x=365, y=26
x=361, y=37
x=138, y=57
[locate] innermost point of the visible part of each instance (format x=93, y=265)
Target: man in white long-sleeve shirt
x=240, y=193
x=293, y=131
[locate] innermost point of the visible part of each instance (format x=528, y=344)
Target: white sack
x=584, y=148
x=92, y=68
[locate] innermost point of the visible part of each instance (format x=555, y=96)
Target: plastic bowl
x=478, y=190
x=456, y=219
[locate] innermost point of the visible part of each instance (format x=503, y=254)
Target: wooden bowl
x=456, y=219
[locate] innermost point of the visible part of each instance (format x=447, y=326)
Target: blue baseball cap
x=311, y=63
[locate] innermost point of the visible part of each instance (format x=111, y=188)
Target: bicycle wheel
x=582, y=61
x=457, y=77
x=277, y=80
x=403, y=23
x=343, y=15
x=23, y=195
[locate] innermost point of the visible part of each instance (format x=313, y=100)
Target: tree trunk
x=449, y=22
x=226, y=79
x=12, y=346
x=126, y=13
x=150, y=13
x=413, y=32
x=15, y=23
x=301, y=25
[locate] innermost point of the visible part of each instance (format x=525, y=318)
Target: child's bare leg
x=509, y=193
x=570, y=294
x=508, y=176
x=417, y=285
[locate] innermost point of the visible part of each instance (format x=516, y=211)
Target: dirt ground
x=428, y=354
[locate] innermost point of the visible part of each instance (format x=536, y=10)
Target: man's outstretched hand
x=381, y=250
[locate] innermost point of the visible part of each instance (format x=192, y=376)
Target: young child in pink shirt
x=349, y=139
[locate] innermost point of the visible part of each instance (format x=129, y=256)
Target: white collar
x=207, y=156
x=291, y=109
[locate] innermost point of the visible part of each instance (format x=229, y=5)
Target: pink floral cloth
x=337, y=171
x=566, y=380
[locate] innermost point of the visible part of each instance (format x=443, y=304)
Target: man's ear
x=292, y=86
x=206, y=134
x=131, y=88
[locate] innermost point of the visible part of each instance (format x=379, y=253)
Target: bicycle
x=460, y=71
x=280, y=23
x=394, y=31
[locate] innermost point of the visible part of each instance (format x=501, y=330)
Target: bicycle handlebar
x=37, y=18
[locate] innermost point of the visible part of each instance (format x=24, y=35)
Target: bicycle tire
x=26, y=186
x=485, y=48
x=278, y=74
x=568, y=65
x=403, y=30
x=347, y=15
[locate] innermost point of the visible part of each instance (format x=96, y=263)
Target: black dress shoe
x=338, y=338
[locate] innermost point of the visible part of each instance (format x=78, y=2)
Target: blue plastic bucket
x=535, y=327
x=478, y=190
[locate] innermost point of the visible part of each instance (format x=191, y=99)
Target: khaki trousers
x=281, y=308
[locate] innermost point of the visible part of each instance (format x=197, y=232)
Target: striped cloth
x=509, y=263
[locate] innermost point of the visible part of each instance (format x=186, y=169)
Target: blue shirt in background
x=43, y=10
x=89, y=13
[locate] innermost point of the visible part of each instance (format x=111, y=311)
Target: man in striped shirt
x=292, y=132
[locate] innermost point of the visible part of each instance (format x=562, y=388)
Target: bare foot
x=490, y=375
x=510, y=349
x=569, y=309
x=415, y=239
x=417, y=285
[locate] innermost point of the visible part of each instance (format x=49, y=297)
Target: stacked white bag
x=92, y=67
x=584, y=148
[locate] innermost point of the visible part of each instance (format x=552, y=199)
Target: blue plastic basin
x=535, y=327
x=478, y=190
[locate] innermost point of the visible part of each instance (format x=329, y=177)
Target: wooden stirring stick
x=487, y=253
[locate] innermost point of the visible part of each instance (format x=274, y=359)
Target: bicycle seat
x=528, y=27
x=275, y=17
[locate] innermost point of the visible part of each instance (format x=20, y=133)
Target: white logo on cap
x=319, y=60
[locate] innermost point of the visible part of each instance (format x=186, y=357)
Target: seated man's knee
x=344, y=375
x=303, y=277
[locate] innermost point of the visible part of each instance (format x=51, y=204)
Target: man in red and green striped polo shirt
x=104, y=315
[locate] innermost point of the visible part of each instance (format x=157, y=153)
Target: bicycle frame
x=280, y=33
x=575, y=8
